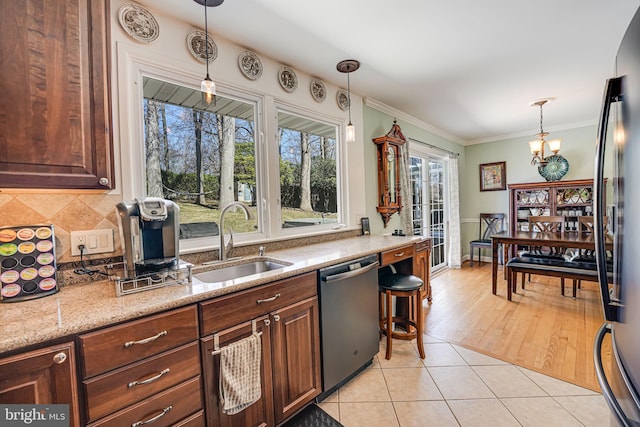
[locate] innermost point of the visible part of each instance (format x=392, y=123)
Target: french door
x=429, y=205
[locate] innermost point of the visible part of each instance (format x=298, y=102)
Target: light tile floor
x=454, y=386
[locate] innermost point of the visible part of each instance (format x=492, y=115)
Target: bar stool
x=400, y=286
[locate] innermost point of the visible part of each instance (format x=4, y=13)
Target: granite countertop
x=80, y=308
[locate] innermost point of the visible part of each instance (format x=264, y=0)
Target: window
x=202, y=159
x=308, y=176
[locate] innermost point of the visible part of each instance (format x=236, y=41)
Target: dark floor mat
x=312, y=416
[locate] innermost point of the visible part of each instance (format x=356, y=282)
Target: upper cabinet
x=55, y=113
x=388, y=147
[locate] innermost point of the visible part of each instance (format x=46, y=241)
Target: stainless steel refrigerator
x=618, y=147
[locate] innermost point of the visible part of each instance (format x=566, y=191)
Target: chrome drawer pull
x=154, y=419
x=273, y=298
x=399, y=254
x=146, y=340
x=148, y=380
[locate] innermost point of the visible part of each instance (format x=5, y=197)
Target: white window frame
x=134, y=63
x=276, y=225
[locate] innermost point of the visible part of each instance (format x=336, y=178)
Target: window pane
x=308, y=177
x=201, y=158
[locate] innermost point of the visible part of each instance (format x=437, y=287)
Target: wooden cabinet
x=570, y=199
x=42, y=376
x=286, y=314
x=260, y=413
x=422, y=265
x=296, y=357
x=147, y=369
x=55, y=109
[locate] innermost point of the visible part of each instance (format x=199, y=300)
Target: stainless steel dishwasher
x=348, y=319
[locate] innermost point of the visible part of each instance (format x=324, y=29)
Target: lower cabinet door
x=261, y=412
x=296, y=357
x=163, y=409
x=42, y=376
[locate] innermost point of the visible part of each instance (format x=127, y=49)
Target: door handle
x=350, y=274
x=602, y=378
x=612, y=93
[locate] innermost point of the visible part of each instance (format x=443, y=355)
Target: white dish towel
x=240, y=374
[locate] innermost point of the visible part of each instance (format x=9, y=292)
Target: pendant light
x=348, y=66
x=537, y=145
x=208, y=87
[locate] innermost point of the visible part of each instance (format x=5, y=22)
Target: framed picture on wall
x=493, y=176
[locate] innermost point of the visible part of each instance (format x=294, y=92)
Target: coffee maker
x=149, y=231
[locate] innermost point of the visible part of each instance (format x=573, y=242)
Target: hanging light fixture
x=348, y=66
x=537, y=145
x=208, y=87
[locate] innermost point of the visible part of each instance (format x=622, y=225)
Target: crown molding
x=530, y=133
x=384, y=108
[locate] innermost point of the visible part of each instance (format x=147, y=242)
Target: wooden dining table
x=565, y=239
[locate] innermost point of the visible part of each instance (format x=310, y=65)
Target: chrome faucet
x=225, y=249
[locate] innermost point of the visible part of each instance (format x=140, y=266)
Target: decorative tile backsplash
x=67, y=212
x=74, y=212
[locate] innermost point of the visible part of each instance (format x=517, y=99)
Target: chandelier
x=537, y=145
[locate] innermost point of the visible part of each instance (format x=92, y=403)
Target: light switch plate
x=94, y=241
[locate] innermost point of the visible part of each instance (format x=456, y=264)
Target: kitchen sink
x=241, y=268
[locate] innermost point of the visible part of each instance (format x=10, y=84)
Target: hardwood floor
x=539, y=329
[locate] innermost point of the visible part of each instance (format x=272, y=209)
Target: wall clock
x=389, y=157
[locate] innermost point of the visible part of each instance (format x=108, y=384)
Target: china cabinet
x=570, y=199
x=389, y=158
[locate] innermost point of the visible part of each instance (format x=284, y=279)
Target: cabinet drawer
x=236, y=308
x=195, y=420
x=395, y=255
x=423, y=246
x=113, y=391
x=119, y=345
x=168, y=407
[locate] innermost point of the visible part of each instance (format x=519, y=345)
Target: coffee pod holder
x=27, y=262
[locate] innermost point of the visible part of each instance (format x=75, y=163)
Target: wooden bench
x=555, y=267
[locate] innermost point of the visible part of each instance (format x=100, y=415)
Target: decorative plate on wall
x=250, y=65
x=342, y=98
x=288, y=79
x=318, y=90
x=556, y=167
x=138, y=22
x=196, y=41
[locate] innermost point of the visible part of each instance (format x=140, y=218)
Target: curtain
x=455, y=260
x=406, y=219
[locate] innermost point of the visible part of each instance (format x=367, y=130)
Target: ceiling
x=469, y=68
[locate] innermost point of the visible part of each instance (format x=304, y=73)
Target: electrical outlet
x=94, y=241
